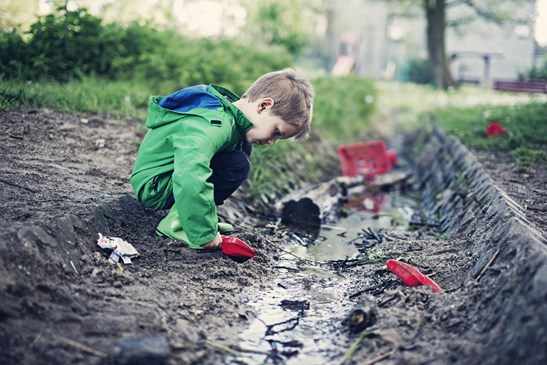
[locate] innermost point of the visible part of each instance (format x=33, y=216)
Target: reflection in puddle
x=367, y=213
x=315, y=335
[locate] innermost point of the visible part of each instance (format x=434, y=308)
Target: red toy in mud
x=236, y=249
x=411, y=276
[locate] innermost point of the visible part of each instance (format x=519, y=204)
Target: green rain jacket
x=187, y=129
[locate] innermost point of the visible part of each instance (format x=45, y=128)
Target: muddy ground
x=64, y=179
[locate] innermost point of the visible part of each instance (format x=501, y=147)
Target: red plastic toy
x=366, y=158
x=494, y=129
x=411, y=276
x=236, y=249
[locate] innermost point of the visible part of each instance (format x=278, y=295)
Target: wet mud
x=64, y=179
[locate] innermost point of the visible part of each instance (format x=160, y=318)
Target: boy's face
x=268, y=128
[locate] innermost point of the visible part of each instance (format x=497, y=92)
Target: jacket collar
x=227, y=98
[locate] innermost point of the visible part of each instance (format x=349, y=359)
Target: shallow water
x=315, y=335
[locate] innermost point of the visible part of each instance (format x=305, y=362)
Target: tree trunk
x=435, y=15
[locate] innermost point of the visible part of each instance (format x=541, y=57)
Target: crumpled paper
x=121, y=249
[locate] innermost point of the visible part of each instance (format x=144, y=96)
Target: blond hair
x=293, y=98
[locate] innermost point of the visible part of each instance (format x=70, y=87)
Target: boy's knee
x=231, y=166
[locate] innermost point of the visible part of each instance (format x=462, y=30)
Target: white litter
x=121, y=249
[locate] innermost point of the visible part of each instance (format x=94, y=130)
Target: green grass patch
x=343, y=106
x=526, y=124
x=273, y=168
x=123, y=98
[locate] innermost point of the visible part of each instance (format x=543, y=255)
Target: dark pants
x=230, y=170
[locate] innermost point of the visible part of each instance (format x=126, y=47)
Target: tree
x=286, y=23
x=435, y=12
x=500, y=12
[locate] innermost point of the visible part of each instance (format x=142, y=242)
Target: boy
x=196, y=153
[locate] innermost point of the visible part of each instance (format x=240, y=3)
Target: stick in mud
x=379, y=358
x=80, y=346
x=18, y=186
x=270, y=331
x=488, y=264
x=378, y=288
x=233, y=350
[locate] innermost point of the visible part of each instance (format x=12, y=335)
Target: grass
x=342, y=107
x=466, y=112
x=273, y=168
x=122, y=98
x=526, y=124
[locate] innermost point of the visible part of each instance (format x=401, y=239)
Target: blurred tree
x=501, y=12
x=539, y=72
x=286, y=23
x=435, y=13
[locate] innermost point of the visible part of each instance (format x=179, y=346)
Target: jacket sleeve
x=194, y=148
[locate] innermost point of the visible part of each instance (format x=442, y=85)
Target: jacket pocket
x=157, y=190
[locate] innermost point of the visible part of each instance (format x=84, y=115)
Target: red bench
x=529, y=86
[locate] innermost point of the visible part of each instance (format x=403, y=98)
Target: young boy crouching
x=196, y=153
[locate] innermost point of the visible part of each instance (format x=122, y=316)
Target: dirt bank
x=64, y=179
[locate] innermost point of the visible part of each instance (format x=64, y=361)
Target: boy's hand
x=215, y=243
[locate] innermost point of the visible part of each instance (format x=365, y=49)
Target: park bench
x=528, y=86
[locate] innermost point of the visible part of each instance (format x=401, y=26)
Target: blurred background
x=398, y=40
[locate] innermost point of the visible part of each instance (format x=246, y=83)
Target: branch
x=493, y=16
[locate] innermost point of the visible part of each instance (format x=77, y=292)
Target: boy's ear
x=265, y=104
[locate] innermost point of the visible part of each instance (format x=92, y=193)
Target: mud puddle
x=298, y=318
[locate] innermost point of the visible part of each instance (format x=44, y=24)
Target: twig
x=286, y=268
x=370, y=288
x=80, y=346
x=38, y=338
x=223, y=347
x=488, y=264
x=74, y=267
x=282, y=249
x=270, y=328
x=354, y=346
x=234, y=350
x=18, y=186
x=379, y=358
x=535, y=209
x=302, y=260
x=329, y=227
